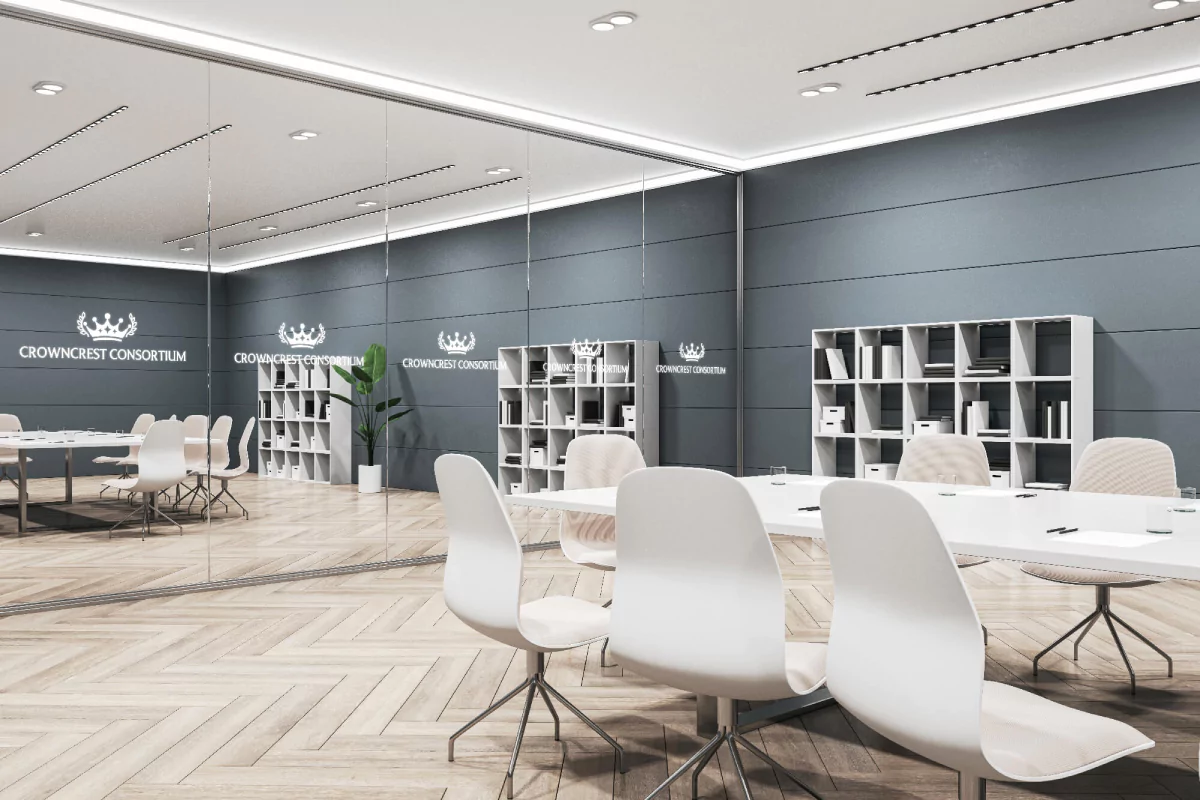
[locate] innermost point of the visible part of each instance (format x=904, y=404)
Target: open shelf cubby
x=303, y=433
x=1034, y=373
x=550, y=394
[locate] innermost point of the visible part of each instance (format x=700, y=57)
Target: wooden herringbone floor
x=349, y=687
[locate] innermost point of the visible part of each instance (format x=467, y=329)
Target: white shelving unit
x=619, y=373
x=303, y=433
x=1050, y=360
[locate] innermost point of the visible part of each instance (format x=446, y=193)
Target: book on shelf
x=890, y=362
x=837, y=364
x=537, y=372
x=869, y=366
x=510, y=412
x=513, y=459
x=976, y=414
x=888, y=430
x=939, y=370
x=993, y=432
x=1056, y=419
x=591, y=413
x=1046, y=485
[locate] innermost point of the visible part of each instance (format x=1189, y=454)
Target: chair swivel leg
x=971, y=788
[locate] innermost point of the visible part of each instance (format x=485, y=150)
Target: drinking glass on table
x=1187, y=501
x=1158, y=516
x=778, y=476
x=947, y=484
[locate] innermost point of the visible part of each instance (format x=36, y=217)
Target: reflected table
x=1005, y=524
x=68, y=441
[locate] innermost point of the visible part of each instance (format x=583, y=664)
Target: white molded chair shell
x=195, y=426
x=243, y=455
x=900, y=606
x=484, y=569
x=161, y=462
x=699, y=599
x=593, y=462
x=219, y=435
x=140, y=426
x=926, y=457
x=9, y=424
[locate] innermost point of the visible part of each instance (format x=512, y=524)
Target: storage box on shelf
x=1022, y=385
x=549, y=394
x=303, y=433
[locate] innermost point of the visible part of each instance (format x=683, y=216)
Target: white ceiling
x=255, y=168
x=712, y=75
x=707, y=80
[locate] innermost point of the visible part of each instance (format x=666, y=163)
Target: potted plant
x=373, y=416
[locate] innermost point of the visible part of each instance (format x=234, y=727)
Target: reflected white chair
x=701, y=603
x=1114, y=466
x=198, y=455
x=901, y=605
x=227, y=475
x=482, y=586
x=140, y=426
x=161, y=465
x=8, y=455
x=593, y=462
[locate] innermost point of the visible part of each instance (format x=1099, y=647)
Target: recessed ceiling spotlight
x=612, y=21
x=498, y=170
x=187, y=247
x=366, y=203
x=1164, y=5
x=269, y=228
x=48, y=88
x=34, y=234
x=817, y=91
x=303, y=136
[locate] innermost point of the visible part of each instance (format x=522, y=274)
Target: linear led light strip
x=315, y=203
x=369, y=213
x=65, y=139
x=121, y=171
x=1056, y=50
x=933, y=36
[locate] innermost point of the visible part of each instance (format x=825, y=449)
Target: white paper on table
x=1111, y=538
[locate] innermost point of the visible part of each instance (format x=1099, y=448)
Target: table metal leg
x=706, y=711
x=22, y=493
x=70, y=473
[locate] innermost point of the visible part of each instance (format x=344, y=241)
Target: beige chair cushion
x=969, y=561
x=559, y=623
x=1030, y=738
x=805, y=665
x=1126, y=466
x=926, y=457
x=1086, y=577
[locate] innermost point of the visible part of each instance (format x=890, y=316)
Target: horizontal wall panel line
x=943, y=201
x=442, y=450
x=914, y=273
x=453, y=272
x=104, y=299
x=631, y=300
x=302, y=294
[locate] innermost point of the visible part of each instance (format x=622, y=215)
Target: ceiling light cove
x=48, y=88
x=817, y=91
x=610, y=22
x=303, y=135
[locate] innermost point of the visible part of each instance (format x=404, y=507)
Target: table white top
x=989, y=523
x=63, y=440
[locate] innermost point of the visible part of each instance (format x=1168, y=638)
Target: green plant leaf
x=384, y=405
x=342, y=397
x=375, y=362
x=346, y=376
x=361, y=374
x=398, y=415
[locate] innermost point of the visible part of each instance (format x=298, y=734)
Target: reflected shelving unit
x=1048, y=378
x=303, y=433
x=550, y=394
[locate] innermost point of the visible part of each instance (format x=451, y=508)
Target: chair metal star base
x=148, y=512
x=4, y=476
x=728, y=736
x=1104, y=611
x=216, y=498
x=123, y=476
x=536, y=684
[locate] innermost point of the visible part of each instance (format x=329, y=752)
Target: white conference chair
x=227, y=475
x=161, y=465
x=482, y=586
x=140, y=426
x=1114, y=466
x=701, y=603
x=199, y=457
x=901, y=605
x=8, y=455
x=593, y=462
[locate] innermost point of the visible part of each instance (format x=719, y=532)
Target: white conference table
x=69, y=441
x=975, y=521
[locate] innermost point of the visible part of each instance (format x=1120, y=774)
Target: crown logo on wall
x=691, y=352
x=586, y=349
x=303, y=339
x=456, y=345
x=107, y=331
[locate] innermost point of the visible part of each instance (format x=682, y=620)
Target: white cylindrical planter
x=370, y=479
